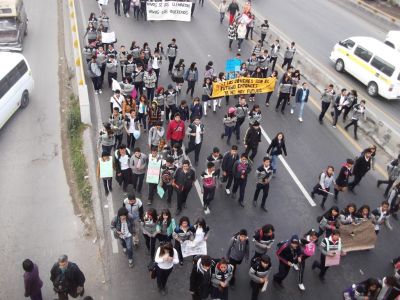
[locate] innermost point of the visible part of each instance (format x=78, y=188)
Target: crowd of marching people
x=153, y=123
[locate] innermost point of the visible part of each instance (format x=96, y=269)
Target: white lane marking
x=196, y=184
x=111, y=215
x=291, y=173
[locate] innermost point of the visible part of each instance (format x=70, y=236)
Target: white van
x=393, y=39
x=16, y=84
x=372, y=62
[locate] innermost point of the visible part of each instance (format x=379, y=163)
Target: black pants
x=103, y=71
x=253, y=152
x=191, y=85
x=288, y=62
x=241, y=184
x=126, y=5
x=126, y=178
x=178, y=249
x=117, y=7
x=150, y=244
x=355, y=124
x=282, y=273
x=273, y=62
x=139, y=87
x=239, y=123
x=192, y=9
x=137, y=181
x=150, y=93
x=171, y=63
x=208, y=195
x=170, y=112
x=346, y=111
x=136, y=12
x=285, y=97
x=152, y=190
x=169, y=189
x=196, y=148
x=229, y=179
x=265, y=189
x=182, y=197
x=234, y=263
x=118, y=140
x=162, y=277
x=269, y=94
x=255, y=289
x=249, y=30
x=319, y=191
x=356, y=181
x=324, y=108
x=263, y=36
x=321, y=265
x=130, y=141
x=336, y=115
x=110, y=77
x=143, y=11
x=302, y=266
x=107, y=182
x=230, y=43
x=389, y=185
x=97, y=83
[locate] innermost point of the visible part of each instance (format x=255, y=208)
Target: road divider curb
x=375, y=11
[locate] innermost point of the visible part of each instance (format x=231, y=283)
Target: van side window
x=349, y=44
x=382, y=66
x=362, y=53
x=12, y=77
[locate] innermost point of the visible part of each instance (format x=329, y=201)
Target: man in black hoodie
x=289, y=255
x=228, y=160
x=252, y=139
x=200, y=278
x=361, y=167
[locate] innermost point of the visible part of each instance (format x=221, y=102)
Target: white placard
x=190, y=248
x=108, y=37
x=169, y=10
x=102, y=2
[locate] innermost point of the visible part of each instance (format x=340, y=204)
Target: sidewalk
x=382, y=9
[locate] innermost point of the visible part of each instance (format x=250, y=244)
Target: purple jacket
x=32, y=282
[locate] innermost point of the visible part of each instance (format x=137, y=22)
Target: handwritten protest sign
x=169, y=10
x=241, y=86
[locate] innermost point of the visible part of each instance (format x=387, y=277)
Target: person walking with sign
x=104, y=171
x=67, y=279
x=153, y=173
x=182, y=233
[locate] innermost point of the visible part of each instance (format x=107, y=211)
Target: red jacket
x=176, y=130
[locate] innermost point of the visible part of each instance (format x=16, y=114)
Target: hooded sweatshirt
x=238, y=249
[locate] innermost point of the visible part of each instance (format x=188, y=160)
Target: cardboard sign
x=241, y=86
x=190, y=248
x=332, y=260
x=358, y=237
x=108, y=37
x=103, y=2
x=169, y=10
x=153, y=171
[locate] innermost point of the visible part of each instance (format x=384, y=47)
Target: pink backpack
x=309, y=249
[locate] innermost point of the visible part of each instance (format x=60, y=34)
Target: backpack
x=260, y=232
x=309, y=249
x=166, y=176
x=89, y=69
x=151, y=267
x=209, y=182
x=281, y=245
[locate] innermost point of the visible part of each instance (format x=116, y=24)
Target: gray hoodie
x=155, y=135
x=134, y=161
x=238, y=249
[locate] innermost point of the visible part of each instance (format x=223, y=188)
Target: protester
x=273, y=77
x=196, y=109
x=149, y=230
x=361, y=167
x=238, y=250
x=393, y=172
x=368, y=289
x=229, y=124
x=132, y=129
x=221, y=274
x=228, y=161
x=135, y=209
x=191, y=76
x=122, y=226
x=209, y=179
x=206, y=96
x=329, y=221
x=155, y=159
x=195, y=131
x=165, y=227
x=176, y=130
x=323, y=187
x=232, y=33
x=182, y=233
x=233, y=8
x=252, y=139
x=166, y=257
x=183, y=181
x=381, y=216
x=241, y=169
x=156, y=133
x=222, y=8
x=168, y=170
x=67, y=278
x=285, y=87
x=342, y=181
x=308, y=247
x=276, y=148
x=242, y=109
x=327, y=98
x=104, y=171
x=106, y=139
x=348, y=214
x=263, y=175
x=200, y=278
x=172, y=52
x=289, y=255
x=358, y=112
x=263, y=239
x=32, y=282
x=138, y=163
x=288, y=55
x=122, y=168
x=259, y=270
x=170, y=96
x=302, y=98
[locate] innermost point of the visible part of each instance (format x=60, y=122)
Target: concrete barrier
x=78, y=64
x=374, y=127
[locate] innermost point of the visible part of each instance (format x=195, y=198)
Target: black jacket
x=252, y=137
x=73, y=277
x=276, y=148
x=185, y=180
x=343, y=177
x=287, y=254
x=238, y=172
x=200, y=280
x=228, y=161
x=361, y=166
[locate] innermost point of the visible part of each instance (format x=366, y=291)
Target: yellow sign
x=241, y=86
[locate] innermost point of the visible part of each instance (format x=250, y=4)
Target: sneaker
x=300, y=119
x=205, y=207
x=267, y=104
x=333, y=126
x=264, y=209
x=296, y=267
x=239, y=50
x=228, y=192
x=100, y=91
x=301, y=287
x=291, y=111
x=124, y=250
x=127, y=15
x=149, y=202
x=96, y=92
x=130, y=263
x=181, y=263
x=241, y=204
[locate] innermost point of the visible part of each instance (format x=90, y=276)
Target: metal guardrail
x=78, y=64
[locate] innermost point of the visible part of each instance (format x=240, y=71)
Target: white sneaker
x=296, y=267
x=228, y=192
x=124, y=250
x=100, y=91
x=96, y=92
x=333, y=126
x=302, y=287
x=239, y=50
x=130, y=263
x=127, y=15
x=291, y=111
x=300, y=119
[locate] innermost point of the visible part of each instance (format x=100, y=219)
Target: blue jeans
x=301, y=108
x=274, y=159
x=228, y=132
x=221, y=17
x=127, y=243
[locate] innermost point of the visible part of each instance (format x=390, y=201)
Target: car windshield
x=7, y=24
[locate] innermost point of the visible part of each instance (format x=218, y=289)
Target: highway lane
x=316, y=31
x=37, y=216
x=311, y=147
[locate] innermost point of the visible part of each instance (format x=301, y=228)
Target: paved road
x=37, y=218
x=330, y=22
x=310, y=146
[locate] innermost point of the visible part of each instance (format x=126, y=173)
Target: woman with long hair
x=165, y=226
x=273, y=78
x=229, y=124
x=166, y=257
x=149, y=230
x=329, y=221
x=276, y=148
x=183, y=232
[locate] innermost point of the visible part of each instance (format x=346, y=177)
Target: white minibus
x=372, y=62
x=16, y=84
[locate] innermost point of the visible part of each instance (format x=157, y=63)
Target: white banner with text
x=169, y=10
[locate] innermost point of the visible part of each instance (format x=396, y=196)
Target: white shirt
x=198, y=135
x=199, y=236
x=124, y=161
x=125, y=231
x=117, y=102
x=163, y=263
x=132, y=125
x=155, y=64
